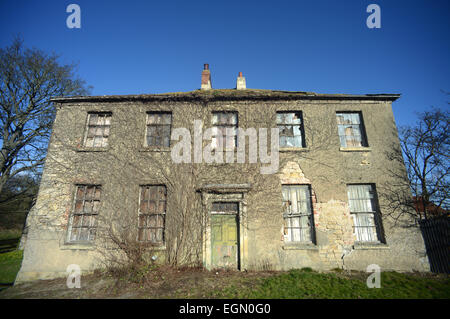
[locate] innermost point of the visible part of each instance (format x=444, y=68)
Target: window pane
x=151, y=213
x=98, y=130
x=224, y=130
x=291, y=131
x=83, y=221
x=297, y=212
x=158, y=129
x=350, y=129
x=363, y=207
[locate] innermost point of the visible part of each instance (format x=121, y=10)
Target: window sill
x=355, y=149
x=92, y=149
x=368, y=246
x=300, y=246
x=154, y=149
x=294, y=149
x=78, y=246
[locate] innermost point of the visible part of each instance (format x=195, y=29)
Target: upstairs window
x=152, y=212
x=83, y=219
x=97, y=131
x=363, y=205
x=224, y=125
x=158, y=129
x=298, y=217
x=351, y=130
x=290, y=125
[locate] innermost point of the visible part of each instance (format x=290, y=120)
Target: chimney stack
x=206, y=78
x=240, y=83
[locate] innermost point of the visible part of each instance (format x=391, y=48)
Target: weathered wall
x=125, y=164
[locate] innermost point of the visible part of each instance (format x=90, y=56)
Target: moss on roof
x=229, y=94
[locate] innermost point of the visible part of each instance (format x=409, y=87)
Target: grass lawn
x=9, y=265
x=302, y=284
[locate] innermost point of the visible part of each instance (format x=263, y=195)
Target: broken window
x=152, y=211
x=97, y=132
x=363, y=204
x=298, y=217
x=290, y=125
x=83, y=220
x=351, y=129
x=224, y=125
x=158, y=129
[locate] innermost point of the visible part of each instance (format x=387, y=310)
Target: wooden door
x=224, y=241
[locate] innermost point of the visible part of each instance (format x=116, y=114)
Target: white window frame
x=304, y=234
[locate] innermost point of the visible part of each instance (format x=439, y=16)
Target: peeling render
x=125, y=163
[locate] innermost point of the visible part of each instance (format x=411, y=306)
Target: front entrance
x=224, y=235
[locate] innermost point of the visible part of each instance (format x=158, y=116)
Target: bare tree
x=28, y=79
x=425, y=151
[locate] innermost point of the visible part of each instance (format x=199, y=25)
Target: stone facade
x=125, y=164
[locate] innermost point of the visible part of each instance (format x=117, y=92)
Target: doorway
x=225, y=235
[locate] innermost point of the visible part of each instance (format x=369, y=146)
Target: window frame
x=75, y=199
x=235, y=126
x=310, y=215
x=362, y=130
x=147, y=215
x=301, y=126
x=377, y=231
x=162, y=146
x=87, y=126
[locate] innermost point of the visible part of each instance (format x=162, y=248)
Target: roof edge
x=228, y=94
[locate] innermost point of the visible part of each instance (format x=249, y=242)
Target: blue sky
x=131, y=47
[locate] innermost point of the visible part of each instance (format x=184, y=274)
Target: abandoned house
x=111, y=178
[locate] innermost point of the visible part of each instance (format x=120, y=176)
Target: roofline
x=226, y=95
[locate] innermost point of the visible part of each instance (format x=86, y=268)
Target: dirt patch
x=161, y=283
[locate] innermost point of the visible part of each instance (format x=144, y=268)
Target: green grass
x=9, y=265
x=309, y=284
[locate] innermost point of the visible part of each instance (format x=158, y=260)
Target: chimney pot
x=240, y=82
x=206, y=66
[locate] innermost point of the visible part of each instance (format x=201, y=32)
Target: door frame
x=225, y=193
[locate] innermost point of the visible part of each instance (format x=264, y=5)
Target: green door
x=224, y=241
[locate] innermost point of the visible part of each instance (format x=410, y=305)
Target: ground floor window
x=83, y=219
x=363, y=205
x=298, y=217
x=152, y=211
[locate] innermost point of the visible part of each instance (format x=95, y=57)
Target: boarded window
x=152, y=211
x=298, y=217
x=158, y=129
x=351, y=130
x=98, y=127
x=290, y=125
x=364, y=209
x=83, y=219
x=224, y=125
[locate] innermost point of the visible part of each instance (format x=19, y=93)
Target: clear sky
x=131, y=47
